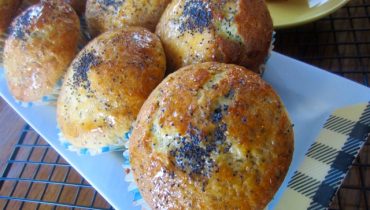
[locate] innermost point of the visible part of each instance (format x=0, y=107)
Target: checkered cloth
x=328, y=160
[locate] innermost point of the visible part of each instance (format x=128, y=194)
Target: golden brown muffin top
x=40, y=18
x=211, y=136
x=228, y=31
x=107, y=84
x=78, y=5
x=41, y=44
x=103, y=15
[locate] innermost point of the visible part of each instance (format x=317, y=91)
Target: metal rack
x=339, y=43
x=36, y=177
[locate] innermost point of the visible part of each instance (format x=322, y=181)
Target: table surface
x=36, y=177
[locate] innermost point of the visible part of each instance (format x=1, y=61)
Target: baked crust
x=228, y=31
x=8, y=9
x=104, y=15
x=78, y=5
x=106, y=85
x=41, y=44
x=211, y=136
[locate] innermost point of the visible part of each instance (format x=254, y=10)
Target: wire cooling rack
x=339, y=43
x=36, y=177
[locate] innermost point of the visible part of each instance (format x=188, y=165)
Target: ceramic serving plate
x=287, y=13
x=310, y=95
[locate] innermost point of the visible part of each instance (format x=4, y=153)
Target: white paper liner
x=132, y=188
x=96, y=151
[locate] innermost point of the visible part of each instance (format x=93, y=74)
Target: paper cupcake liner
x=91, y=152
x=132, y=187
x=50, y=99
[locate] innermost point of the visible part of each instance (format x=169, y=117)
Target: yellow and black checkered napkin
x=327, y=161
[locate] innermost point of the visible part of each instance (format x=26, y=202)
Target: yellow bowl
x=288, y=13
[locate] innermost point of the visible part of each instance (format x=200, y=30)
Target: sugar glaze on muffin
x=104, y=15
x=228, y=31
x=211, y=136
x=41, y=44
x=105, y=87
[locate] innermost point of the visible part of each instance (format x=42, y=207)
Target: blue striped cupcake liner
x=132, y=187
x=50, y=99
x=84, y=151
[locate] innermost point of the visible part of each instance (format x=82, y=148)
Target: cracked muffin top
x=211, y=136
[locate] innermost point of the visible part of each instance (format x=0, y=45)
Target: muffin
x=41, y=44
x=229, y=31
x=8, y=9
x=102, y=15
x=78, y=5
x=211, y=136
x=105, y=87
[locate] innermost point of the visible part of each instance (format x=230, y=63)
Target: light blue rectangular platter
x=309, y=93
